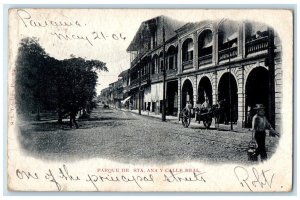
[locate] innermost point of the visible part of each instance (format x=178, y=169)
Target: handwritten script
x=30, y=22
x=62, y=175
x=254, y=178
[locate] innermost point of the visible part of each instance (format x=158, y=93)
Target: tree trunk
x=60, y=116
x=38, y=116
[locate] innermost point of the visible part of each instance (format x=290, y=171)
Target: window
x=171, y=62
x=187, y=50
x=153, y=68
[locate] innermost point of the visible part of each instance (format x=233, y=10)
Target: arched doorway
x=187, y=93
x=224, y=95
x=257, y=90
x=204, y=90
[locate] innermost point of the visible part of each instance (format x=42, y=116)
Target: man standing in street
x=259, y=125
x=73, y=113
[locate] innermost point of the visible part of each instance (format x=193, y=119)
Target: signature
x=255, y=178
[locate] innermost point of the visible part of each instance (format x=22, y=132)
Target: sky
x=87, y=28
x=117, y=26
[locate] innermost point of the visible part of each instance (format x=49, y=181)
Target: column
x=215, y=56
x=214, y=88
x=241, y=97
x=195, y=92
x=241, y=40
x=179, y=96
x=179, y=60
x=195, y=56
x=278, y=94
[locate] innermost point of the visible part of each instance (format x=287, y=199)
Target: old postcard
x=150, y=100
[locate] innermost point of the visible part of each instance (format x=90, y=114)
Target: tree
x=76, y=84
x=43, y=82
x=31, y=68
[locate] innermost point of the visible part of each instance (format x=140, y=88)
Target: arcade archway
x=257, y=90
x=224, y=93
x=187, y=93
x=204, y=90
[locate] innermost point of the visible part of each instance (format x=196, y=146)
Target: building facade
x=238, y=62
x=116, y=92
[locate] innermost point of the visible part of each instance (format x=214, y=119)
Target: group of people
x=205, y=106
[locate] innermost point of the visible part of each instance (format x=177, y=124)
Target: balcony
x=143, y=79
x=134, y=82
x=187, y=64
x=204, y=60
x=257, y=45
x=157, y=77
x=138, y=57
x=171, y=73
x=228, y=53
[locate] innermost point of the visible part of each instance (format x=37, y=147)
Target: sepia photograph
x=150, y=100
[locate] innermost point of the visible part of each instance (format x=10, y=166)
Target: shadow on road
x=106, y=118
x=201, y=128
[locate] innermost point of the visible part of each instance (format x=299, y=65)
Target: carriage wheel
x=207, y=122
x=186, y=118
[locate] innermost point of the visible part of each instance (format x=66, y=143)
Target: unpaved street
x=129, y=138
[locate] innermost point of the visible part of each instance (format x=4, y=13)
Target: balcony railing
x=228, y=53
x=134, y=82
x=171, y=72
x=257, y=45
x=188, y=64
x=204, y=60
x=137, y=58
x=144, y=78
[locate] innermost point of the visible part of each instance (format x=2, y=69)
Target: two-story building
x=146, y=70
x=238, y=62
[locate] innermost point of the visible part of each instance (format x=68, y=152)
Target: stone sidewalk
x=175, y=119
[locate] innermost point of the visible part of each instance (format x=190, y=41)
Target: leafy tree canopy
x=45, y=83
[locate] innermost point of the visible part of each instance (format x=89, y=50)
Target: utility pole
x=229, y=88
x=140, y=71
x=271, y=65
x=164, y=76
x=139, y=74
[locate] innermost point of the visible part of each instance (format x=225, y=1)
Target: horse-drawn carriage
x=201, y=114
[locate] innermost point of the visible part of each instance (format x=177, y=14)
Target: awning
x=208, y=44
x=125, y=100
x=156, y=92
x=232, y=36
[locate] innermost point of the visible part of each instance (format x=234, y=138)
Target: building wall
x=240, y=67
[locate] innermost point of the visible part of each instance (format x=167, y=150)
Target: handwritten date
x=94, y=36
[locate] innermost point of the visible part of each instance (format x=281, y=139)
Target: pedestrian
x=189, y=105
x=73, y=113
x=259, y=126
x=198, y=109
x=205, y=105
x=224, y=110
x=148, y=108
